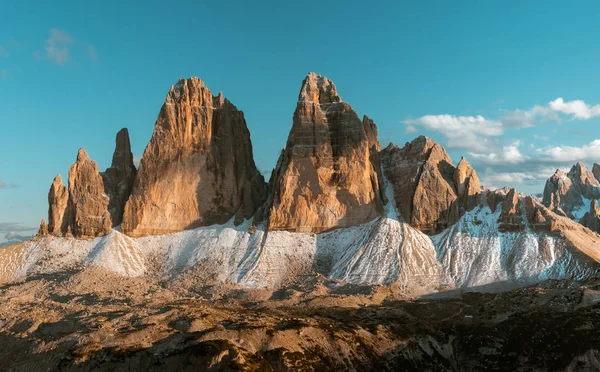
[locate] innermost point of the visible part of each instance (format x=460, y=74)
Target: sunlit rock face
x=87, y=209
x=198, y=168
x=58, y=197
x=431, y=194
x=81, y=210
x=327, y=175
x=570, y=194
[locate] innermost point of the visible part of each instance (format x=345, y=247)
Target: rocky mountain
x=119, y=177
x=337, y=207
x=431, y=193
x=573, y=194
x=323, y=269
x=327, y=175
x=198, y=168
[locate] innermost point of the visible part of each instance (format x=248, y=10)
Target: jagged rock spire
x=81, y=210
x=119, y=178
x=327, y=176
x=58, y=198
x=87, y=209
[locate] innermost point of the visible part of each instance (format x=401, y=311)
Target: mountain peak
x=82, y=155
x=318, y=89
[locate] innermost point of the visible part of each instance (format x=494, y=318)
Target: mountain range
x=337, y=206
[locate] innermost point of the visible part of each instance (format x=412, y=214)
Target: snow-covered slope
x=471, y=253
x=474, y=253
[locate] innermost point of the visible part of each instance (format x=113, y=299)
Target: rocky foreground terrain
x=351, y=257
x=96, y=321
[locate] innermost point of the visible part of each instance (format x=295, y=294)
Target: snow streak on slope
x=474, y=253
x=580, y=211
x=383, y=251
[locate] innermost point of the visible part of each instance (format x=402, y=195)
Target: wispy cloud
x=60, y=44
x=4, y=185
x=92, y=53
x=3, y=52
x=6, y=227
x=57, y=46
x=3, y=74
x=13, y=236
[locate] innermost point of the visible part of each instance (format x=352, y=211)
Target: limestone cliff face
x=118, y=179
x=430, y=192
x=327, y=175
x=87, y=209
x=198, y=168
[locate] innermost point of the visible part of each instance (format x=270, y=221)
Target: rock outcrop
x=198, y=168
x=58, y=199
x=591, y=219
x=118, y=179
x=570, y=194
x=87, y=209
x=596, y=171
x=327, y=175
x=81, y=210
x=430, y=192
x=43, y=230
x=467, y=185
x=511, y=218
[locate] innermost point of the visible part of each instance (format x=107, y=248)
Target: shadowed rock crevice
x=118, y=179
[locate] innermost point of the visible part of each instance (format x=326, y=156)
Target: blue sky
x=512, y=85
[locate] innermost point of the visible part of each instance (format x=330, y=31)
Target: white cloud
x=566, y=154
x=462, y=132
x=57, y=46
x=509, y=155
x=527, y=118
x=578, y=108
x=136, y=161
x=411, y=129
